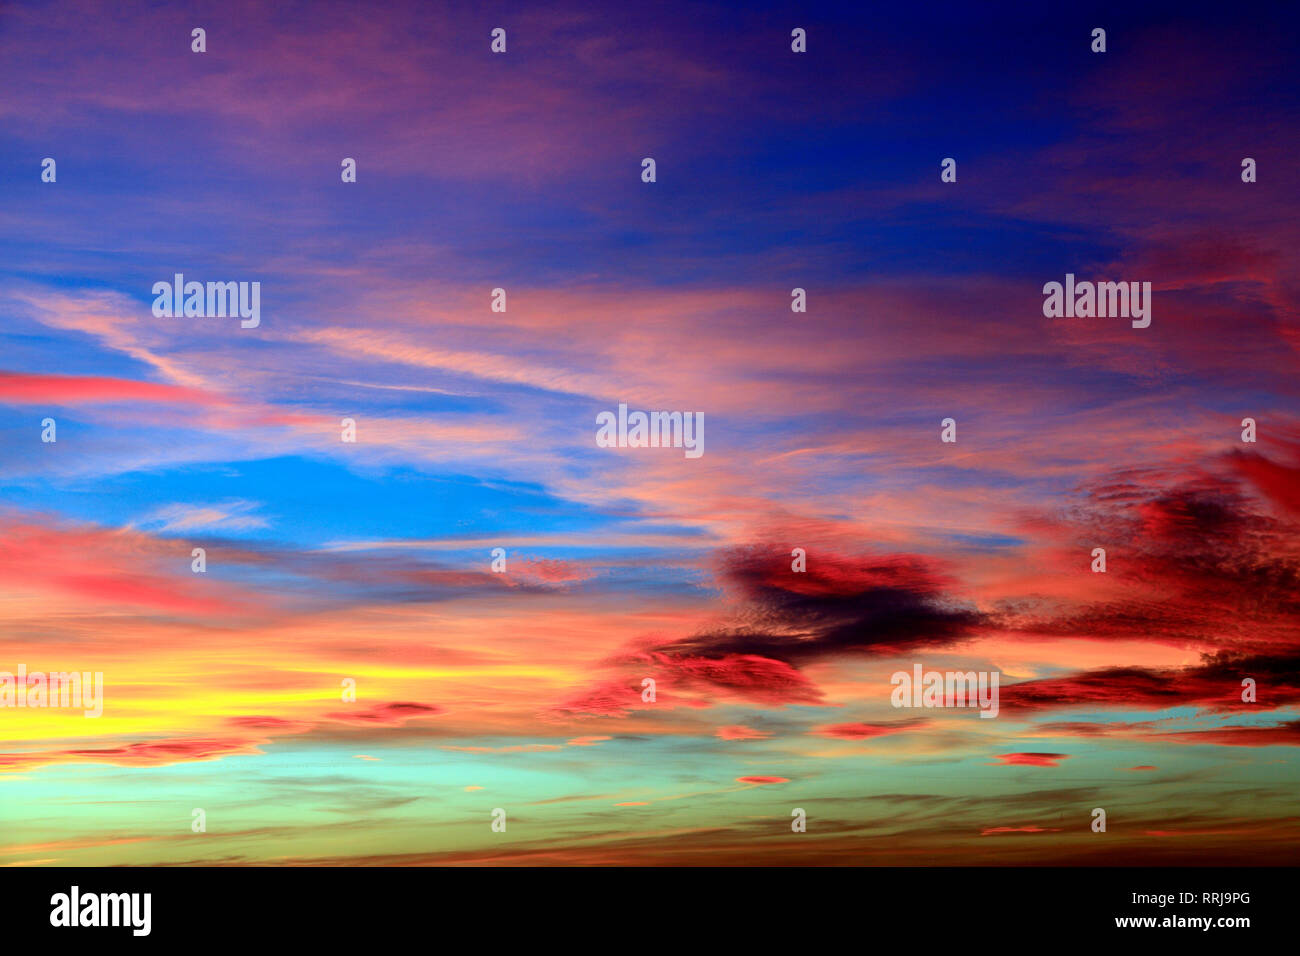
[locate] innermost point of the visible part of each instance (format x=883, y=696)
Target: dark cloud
x=1208, y=560
x=1215, y=683
x=840, y=605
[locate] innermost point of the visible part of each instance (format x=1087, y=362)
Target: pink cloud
x=19, y=388
x=1032, y=759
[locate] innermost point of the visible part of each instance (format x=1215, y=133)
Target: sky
x=351, y=681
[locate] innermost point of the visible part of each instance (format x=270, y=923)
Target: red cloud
x=762, y=781
x=611, y=698
x=1216, y=683
x=393, y=713
x=862, y=731
x=263, y=722
x=117, y=567
x=1287, y=735
x=757, y=678
x=550, y=571
x=1032, y=759
x=144, y=753
x=18, y=388
x=1281, y=483
x=749, y=676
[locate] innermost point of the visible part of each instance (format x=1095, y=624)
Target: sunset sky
x=475, y=430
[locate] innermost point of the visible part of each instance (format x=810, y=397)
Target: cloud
x=750, y=676
x=138, y=754
x=740, y=732
x=1284, y=735
x=230, y=515
x=1216, y=682
x=864, y=731
x=1032, y=759
x=397, y=712
x=842, y=606
x=17, y=388
x=106, y=568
